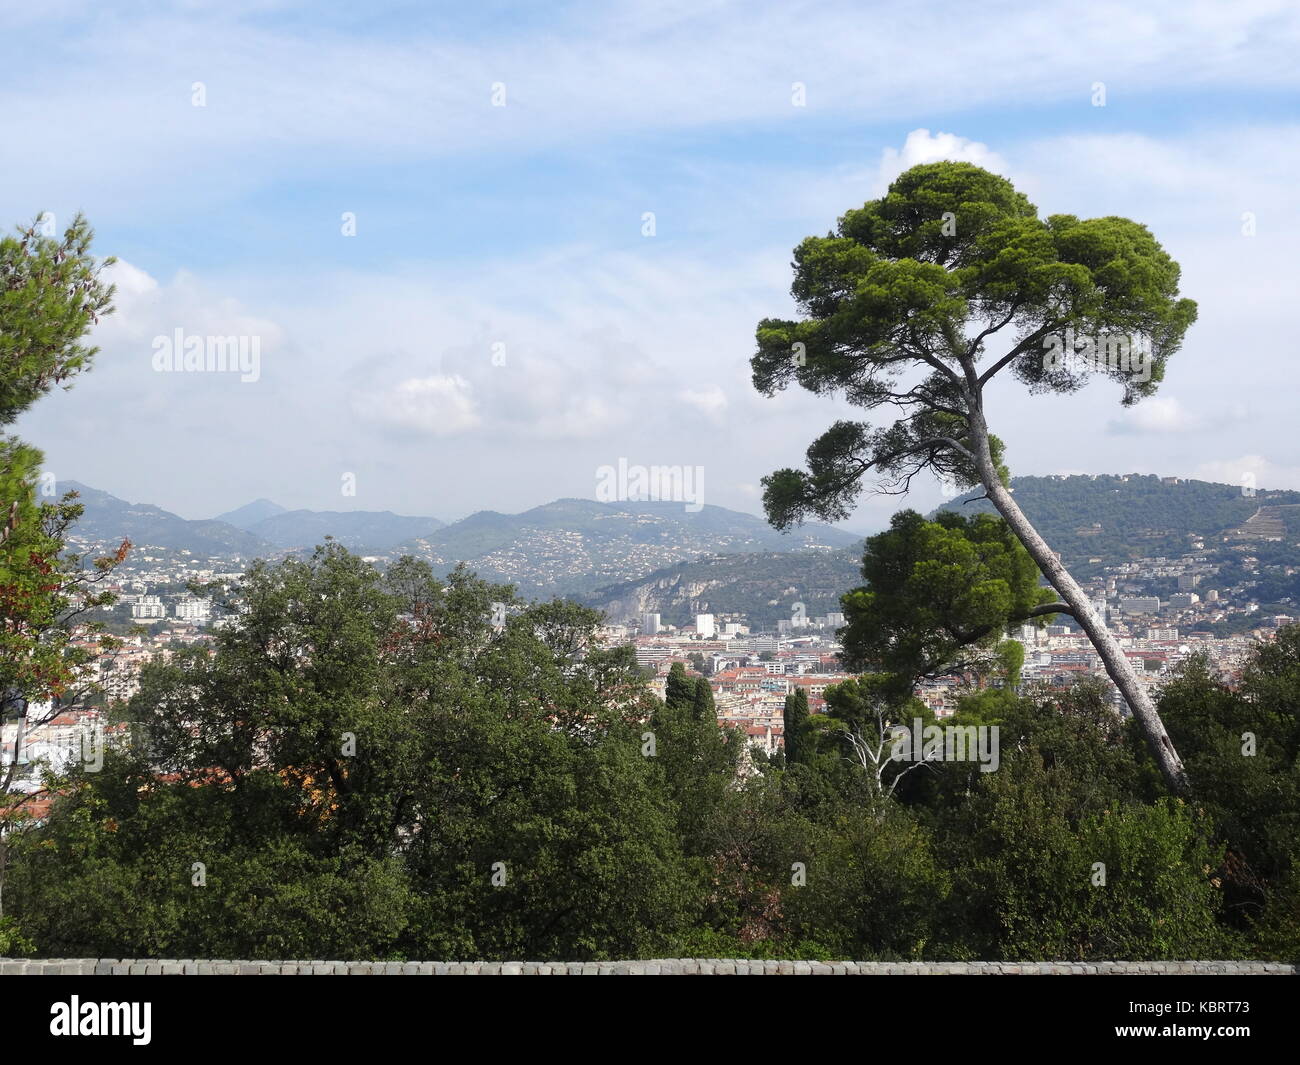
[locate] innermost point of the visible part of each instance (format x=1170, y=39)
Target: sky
x=486, y=249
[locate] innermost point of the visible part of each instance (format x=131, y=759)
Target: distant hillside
x=107, y=519
x=1113, y=518
x=763, y=587
x=567, y=547
x=1119, y=518
x=638, y=557
x=358, y=530
x=250, y=514
x=577, y=545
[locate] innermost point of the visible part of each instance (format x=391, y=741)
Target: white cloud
x=920, y=147
x=1167, y=414
x=131, y=283
x=274, y=89
x=1253, y=470
x=437, y=406
x=710, y=400
x=1160, y=414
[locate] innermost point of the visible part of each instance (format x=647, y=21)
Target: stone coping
x=655, y=967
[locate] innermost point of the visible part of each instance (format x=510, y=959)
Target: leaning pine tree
x=918, y=302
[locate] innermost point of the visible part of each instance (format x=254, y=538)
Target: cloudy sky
x=500, y=324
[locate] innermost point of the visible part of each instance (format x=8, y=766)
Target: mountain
x=577, y=545
x=250, y=514
x=107, y=519
x=367, y=531
x=1091, y=521
x=764, y=587
x=1118, y=518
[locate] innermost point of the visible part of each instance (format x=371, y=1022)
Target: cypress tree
x=704, y=706
x=679, y=691
x=797, y=727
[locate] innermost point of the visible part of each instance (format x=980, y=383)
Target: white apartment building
x=191, y=608
x=148, y=606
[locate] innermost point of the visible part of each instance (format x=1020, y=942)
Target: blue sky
x=522, y=225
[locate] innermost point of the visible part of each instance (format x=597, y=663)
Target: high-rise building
x=704, y=626
x=148, y=606
x=650, y=624
x=194, y=609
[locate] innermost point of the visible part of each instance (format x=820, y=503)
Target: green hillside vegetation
x=764, y=587
x=1118, y=519
x=637, y=522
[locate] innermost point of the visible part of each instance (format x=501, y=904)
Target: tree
x=679, y=688
x=51, y=293
x=869, y=711
x=1242, y=745
x=939, y=593
x=900, y=308
x=797, y=727
x=703, y=704
x=366, y=766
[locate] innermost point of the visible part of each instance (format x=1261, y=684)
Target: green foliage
x=50, y=295
x=13, y=944
x=875, y=889
x=1025, y=844
x=1243, y=753
x=366, y=767
x=679, y=688
x=365, y=762
x=796, y=727
x=936, y=592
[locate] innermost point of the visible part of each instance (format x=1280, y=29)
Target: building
x=704, y=626
x=649, y=655
x=148, y=606
x=1140, y=604
x=191, y=608
x=650, y=624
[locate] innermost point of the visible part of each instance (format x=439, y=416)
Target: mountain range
x=564, y=547
x=641, y=557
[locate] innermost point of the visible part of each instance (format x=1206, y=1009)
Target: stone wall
x=661, y=967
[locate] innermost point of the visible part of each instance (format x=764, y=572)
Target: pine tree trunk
x=1112, y=656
